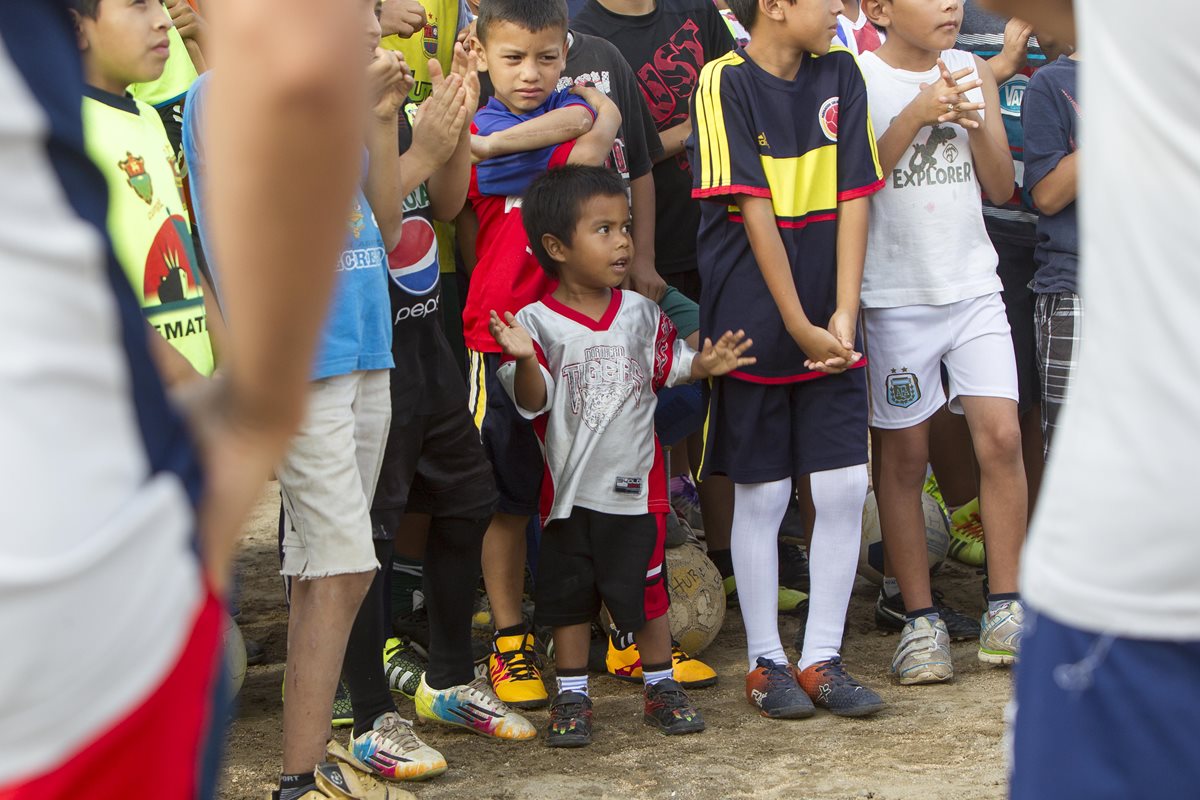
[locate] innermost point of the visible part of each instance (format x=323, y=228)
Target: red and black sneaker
x=570, y=720
x=669, y=709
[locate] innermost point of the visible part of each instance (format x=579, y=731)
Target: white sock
x=758, y=508
x=573, y=683
x=653, y=677
x=891, y=588
x=838, y=496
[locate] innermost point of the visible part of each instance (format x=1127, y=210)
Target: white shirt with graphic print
x=597, y=426
x=927, y=244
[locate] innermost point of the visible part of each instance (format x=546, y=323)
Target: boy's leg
x=516, y=458
x=758, y=510
x=1059, y=327
x=900, y=472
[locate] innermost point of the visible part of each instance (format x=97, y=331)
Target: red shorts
x=158, y=749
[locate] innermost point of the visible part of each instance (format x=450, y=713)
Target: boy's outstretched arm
x=391, y=80
x=550, y=129
x=722, y=358
x=594, y=147
x=824, y=352
x=528, y=384
x=276, y=284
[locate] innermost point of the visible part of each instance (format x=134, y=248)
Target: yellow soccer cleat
x=966, y=535
x=514, y=674
x=626, y=665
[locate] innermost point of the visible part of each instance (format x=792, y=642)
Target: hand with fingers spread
x=390, y=80
x=945, y=100
x=512, y=337
x=723, y=357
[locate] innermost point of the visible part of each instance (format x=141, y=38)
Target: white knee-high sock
x=758, y=508
x=838, y=496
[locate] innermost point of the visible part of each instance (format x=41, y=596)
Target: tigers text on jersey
x=806, y=144
x=597, y=427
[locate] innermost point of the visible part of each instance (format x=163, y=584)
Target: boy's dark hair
x=554, y=201
x=746, y=11
x=532, y=15
x=86, y=8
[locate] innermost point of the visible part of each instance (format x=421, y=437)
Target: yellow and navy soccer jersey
x=806, y=144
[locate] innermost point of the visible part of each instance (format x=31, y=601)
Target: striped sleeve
x=859, y=173
x=725, y=152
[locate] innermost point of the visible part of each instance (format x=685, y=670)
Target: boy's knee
x=906, y=464
x=999, y=443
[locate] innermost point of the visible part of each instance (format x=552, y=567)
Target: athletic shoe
x=343, y=713
x=391, y=751
x=474, y=707
x=403, y=667
x=791, y=602
x=255, y=654
x=346, y=783
x=669, y=709
x=773, y=690
x=832, y=688
x=626, y=665
x=932, y=489
x=1000, y=634
x=570, y=720
x=966, y=534
x=923, y=655
x=514, y=672
x=889, y=616
x=414, y=626
x=679, y=532
x=685, y=499
x=793, y=566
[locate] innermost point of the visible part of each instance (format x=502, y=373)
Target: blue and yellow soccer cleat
x=475, y=707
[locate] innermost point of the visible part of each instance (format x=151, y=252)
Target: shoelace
x=777, y=677
x=567, y=710
x=671, y=697
x=522, y=664
x=678, y=655
x=972, y=528
x=834, y=672
x=397, y=729
x=480, y=689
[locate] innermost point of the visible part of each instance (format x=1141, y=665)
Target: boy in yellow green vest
x=122, y=44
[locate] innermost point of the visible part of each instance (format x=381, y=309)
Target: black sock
x=362, y=667
x=292, y=787
x=621, y=639
x=514, y=630
x=724, y=561
x=452, y=569
x=1003, y=597
x=921, y=612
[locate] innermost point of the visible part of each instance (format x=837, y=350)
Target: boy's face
x=602, y=246
x=930, y=25
x=125, y=43
x=524, y=65
x=810, y=24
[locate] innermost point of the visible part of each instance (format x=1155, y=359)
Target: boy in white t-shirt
x=931, y=297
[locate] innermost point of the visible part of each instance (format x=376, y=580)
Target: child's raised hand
x=723, y=357
x=390, y=81
x=513, y=339
x=441, y=118
x=466, y=65
x=945, y=100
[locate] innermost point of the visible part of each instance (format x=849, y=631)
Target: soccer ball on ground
x=235, y=655
x=697, y=598
x=937, y=538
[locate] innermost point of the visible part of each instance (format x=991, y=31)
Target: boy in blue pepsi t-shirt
x=327, y=480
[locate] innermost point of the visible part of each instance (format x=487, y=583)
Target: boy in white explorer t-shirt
x=931, y=297
x=584, y=364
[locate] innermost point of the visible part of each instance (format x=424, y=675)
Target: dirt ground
x=931, y=743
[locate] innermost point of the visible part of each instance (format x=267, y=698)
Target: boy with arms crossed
x=930, y=296
x=584, y=364
x=784, y=149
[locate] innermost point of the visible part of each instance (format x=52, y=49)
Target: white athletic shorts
x=328, y=476
x=906, y=347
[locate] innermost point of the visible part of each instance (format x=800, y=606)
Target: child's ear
x=80, y=37
x=771, y=9
x=877, y=13
x=554, y=247
x=480, y=52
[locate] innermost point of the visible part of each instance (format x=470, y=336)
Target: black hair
x=554, y=202
x=86, y=8
x=746, y=11
x=532, y=15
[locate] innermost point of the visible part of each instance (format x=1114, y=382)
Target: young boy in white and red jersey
x=931, y=296
x=584, y=364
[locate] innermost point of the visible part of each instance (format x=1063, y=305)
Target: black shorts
x=687, y=282
x=432, y=464
x=511, y=446
x=593, y=557
x=1016, y=269
x=757, y=433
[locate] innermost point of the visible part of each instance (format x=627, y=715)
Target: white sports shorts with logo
x=907, y=346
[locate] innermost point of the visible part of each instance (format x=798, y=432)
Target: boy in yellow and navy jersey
x=783, y=147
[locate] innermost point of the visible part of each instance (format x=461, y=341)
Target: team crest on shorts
x=828, y=117
x=903, y=389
